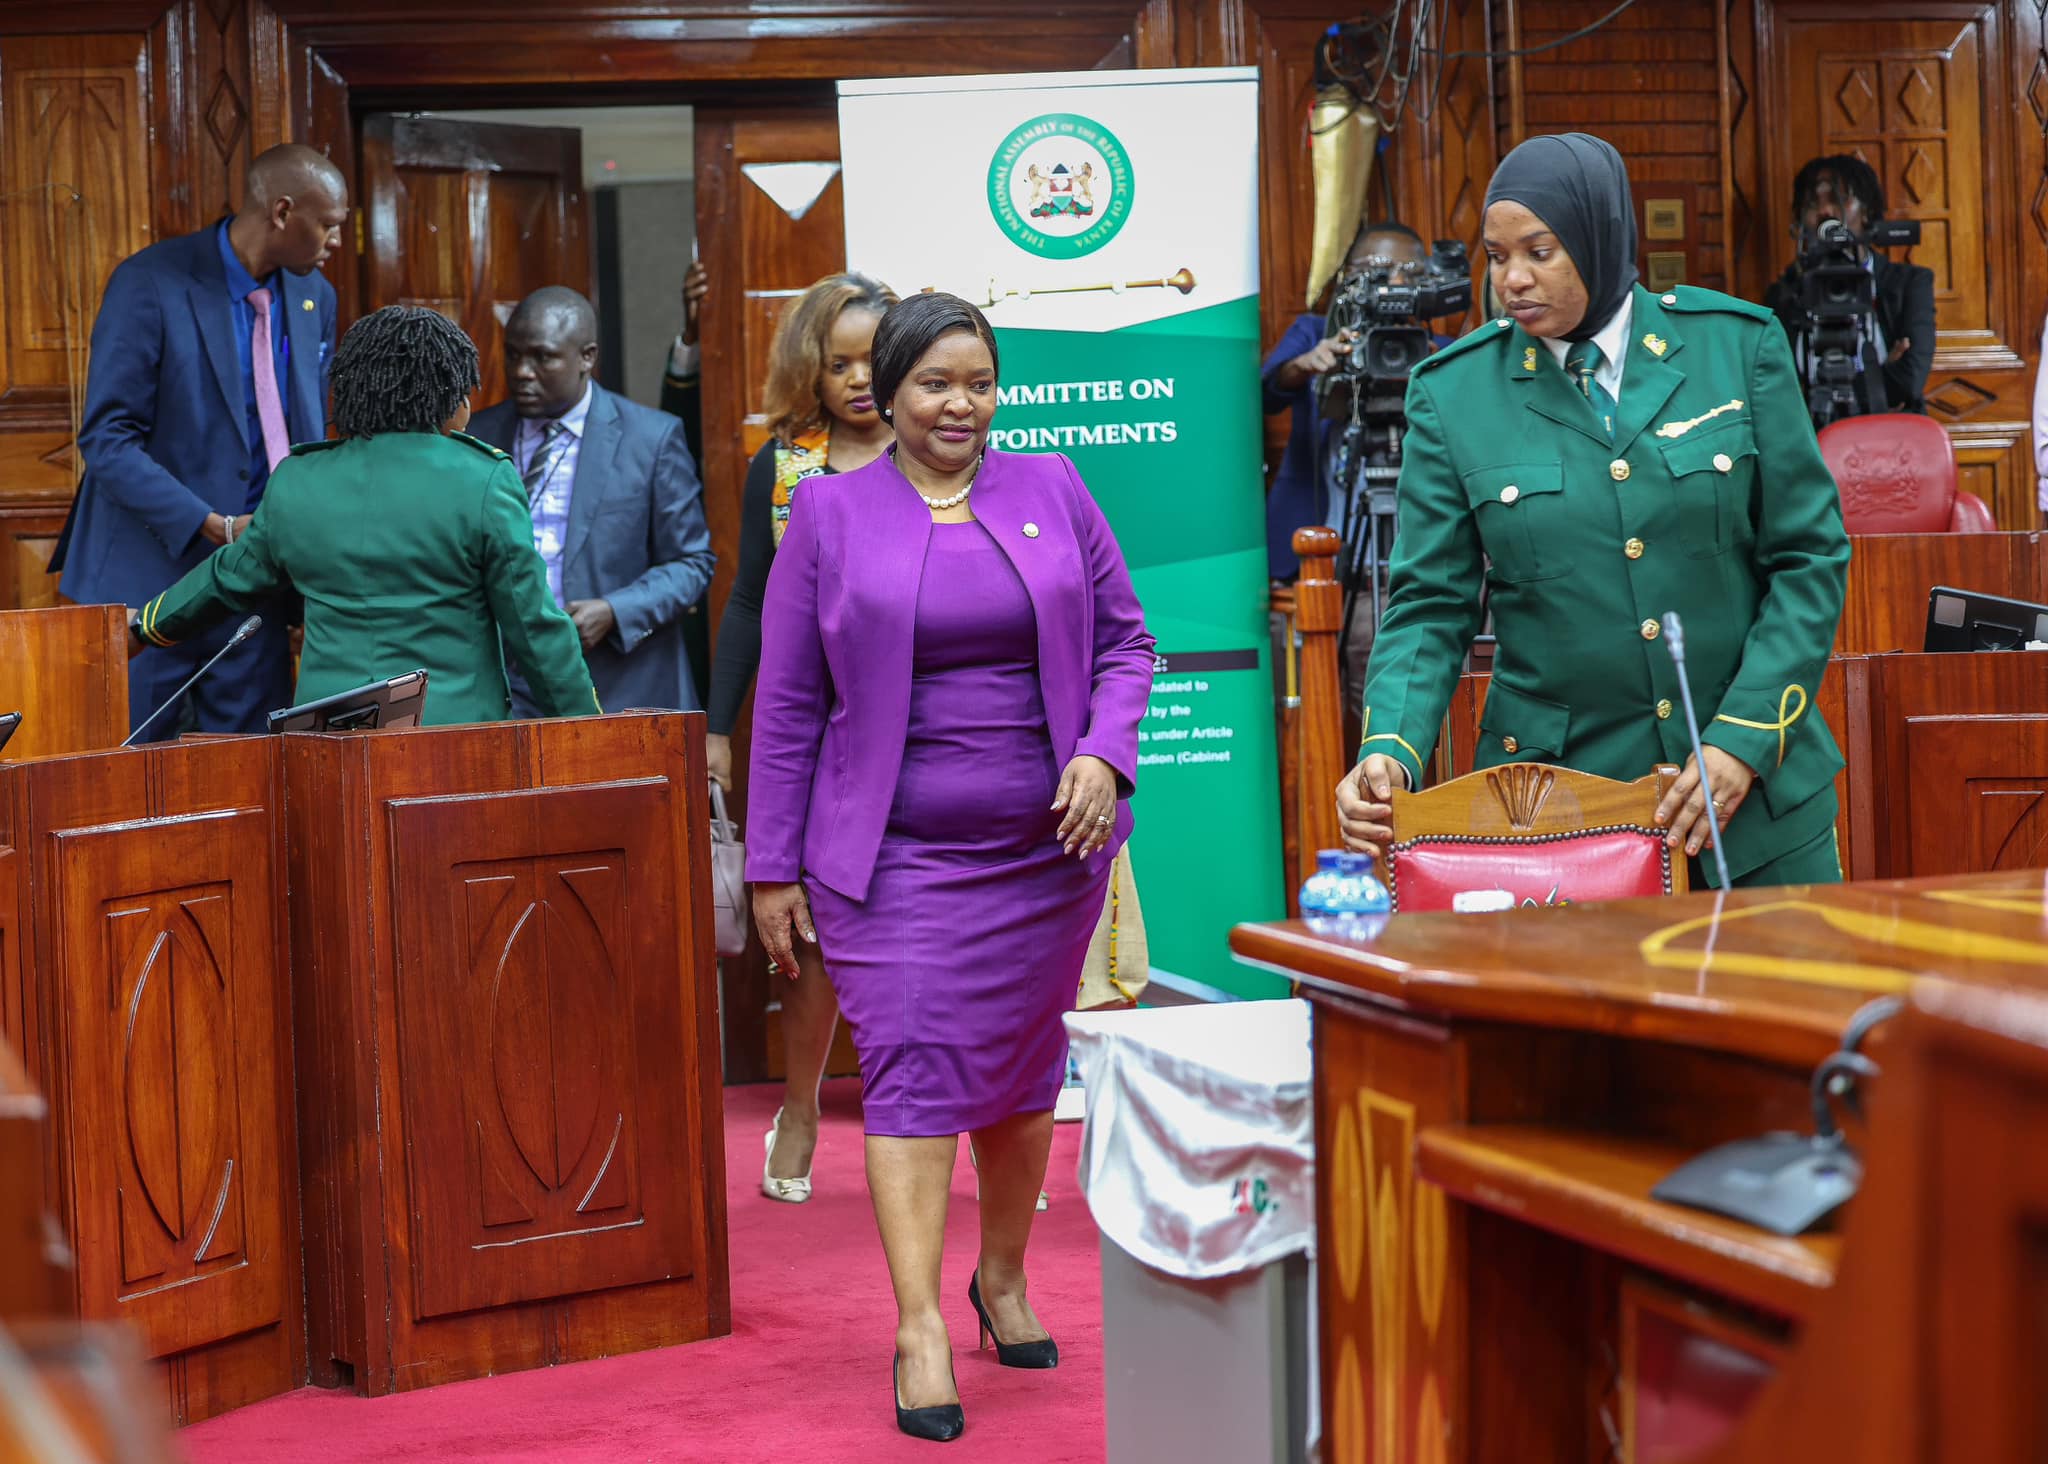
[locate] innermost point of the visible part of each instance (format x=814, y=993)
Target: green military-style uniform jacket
x=1711, y=499
x=411, y=550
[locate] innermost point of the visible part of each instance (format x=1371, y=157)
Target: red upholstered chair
x=1897, y=475
x=1547, y=835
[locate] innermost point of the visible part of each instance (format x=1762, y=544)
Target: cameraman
x=1893, y=372
x=1302, y=493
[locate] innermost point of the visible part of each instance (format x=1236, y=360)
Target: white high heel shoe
x=789, y=1191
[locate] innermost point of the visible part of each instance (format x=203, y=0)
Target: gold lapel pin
x=1656, y=344
x=1529, y=359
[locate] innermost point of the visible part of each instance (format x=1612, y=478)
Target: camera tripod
x=1370, y=467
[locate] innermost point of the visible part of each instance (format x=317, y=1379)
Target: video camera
x=1385, y=316
x=1838, y=296
x=1367, y=391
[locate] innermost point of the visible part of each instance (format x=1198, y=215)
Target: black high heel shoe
x=941, y=1423
x=1043, y=1353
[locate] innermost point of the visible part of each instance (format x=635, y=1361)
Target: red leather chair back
x=1547, y=835
x=1897, y=475
x=1612, y=863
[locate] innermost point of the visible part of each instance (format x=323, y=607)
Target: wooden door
x=761, y=255
x=468, y=218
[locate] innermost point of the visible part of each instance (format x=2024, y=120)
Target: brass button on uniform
x=1508, y=744
x=1633, y=548
x=1663, y=710
x=1031, y=531
x=1618, y=470
x=1668, y=299
x=1649, y=630
x=1722, y=462
x=1510, y=493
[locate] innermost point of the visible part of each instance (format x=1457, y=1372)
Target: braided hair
x=401, y=369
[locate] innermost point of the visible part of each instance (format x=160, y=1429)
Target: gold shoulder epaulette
x=481, y=446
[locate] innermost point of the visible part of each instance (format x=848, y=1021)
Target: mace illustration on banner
x=1108, y=224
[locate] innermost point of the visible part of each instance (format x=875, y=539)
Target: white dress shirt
x=550, y=506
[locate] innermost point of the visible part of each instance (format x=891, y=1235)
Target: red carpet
x=804, y=1377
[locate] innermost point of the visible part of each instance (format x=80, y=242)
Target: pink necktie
x=277, y=439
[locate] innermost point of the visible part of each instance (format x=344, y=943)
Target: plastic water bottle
x=1343, y=897
x=1371, y=895
x=1319, y=890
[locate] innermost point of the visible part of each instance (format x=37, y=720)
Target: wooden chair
x=1547, y=835
x=1897, y=475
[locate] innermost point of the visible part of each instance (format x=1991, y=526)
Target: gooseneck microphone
x=243, y=631
x=1674, y=642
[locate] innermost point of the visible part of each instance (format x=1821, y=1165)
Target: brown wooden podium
x=509, y=1092
x=143, y=981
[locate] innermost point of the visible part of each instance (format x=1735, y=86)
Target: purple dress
x=955, y=971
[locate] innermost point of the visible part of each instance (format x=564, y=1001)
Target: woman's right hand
x=718, y=756
x=779, y=910
x=1365, y=803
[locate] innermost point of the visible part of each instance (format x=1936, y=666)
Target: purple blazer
x=832, y=703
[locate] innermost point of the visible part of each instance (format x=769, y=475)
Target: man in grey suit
x=618, y=514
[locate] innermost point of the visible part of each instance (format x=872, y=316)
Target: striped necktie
x=1580, y=363
x=541, y=464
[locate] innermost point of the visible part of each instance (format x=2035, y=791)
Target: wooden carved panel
x=170, y=980
x=77, y=172
x=537, y=1021
x=1979, y=796
x=27, y=535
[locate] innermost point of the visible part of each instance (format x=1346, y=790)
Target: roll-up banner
x=1107, y=223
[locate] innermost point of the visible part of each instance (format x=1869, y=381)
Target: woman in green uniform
x=1601, y=455
x=410, y=543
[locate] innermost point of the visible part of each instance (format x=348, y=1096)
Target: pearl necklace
x=956, y=499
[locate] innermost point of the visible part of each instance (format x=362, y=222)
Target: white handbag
x=728, y=879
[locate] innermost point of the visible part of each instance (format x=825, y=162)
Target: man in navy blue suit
x=618, y=514
x=209, y=359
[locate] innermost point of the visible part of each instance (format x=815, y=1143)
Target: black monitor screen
x=381, y=704
x=1963, y=620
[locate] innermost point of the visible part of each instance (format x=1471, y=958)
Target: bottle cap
x=1482, y=902
x=1328, y=858
x=1352, y=862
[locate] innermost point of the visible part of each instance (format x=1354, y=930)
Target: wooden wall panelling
x=77, y=125
x=559, y=1198
x=202, y=107
x=157, y=1022
x=1650, y=82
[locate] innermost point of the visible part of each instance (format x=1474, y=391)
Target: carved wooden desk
x=1496, y=1096
x=507, y=1029
x=145, y=988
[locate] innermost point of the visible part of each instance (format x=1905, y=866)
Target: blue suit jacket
x=165, y=436
x=637, y=538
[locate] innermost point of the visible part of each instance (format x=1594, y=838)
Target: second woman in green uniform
x=1600, y=455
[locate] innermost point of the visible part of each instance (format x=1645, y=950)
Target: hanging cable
x=1578, y=35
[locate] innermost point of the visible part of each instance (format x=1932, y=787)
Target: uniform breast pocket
x=1519, y=508
x=1712, y=477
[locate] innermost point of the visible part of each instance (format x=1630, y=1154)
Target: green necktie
x=1580, y=362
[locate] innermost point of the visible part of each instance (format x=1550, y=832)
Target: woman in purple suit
x=953, y=667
